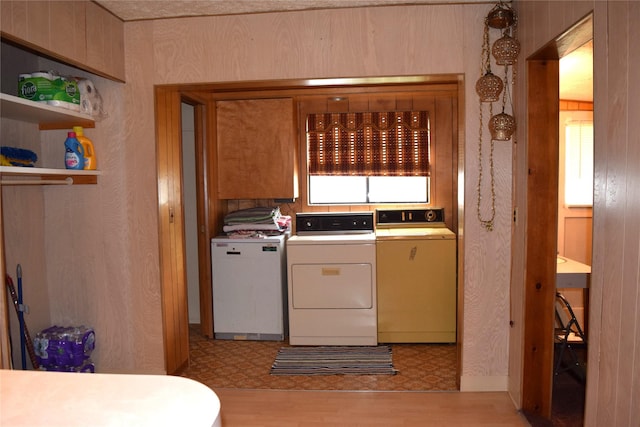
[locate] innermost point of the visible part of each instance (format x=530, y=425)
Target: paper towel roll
x=87, y=93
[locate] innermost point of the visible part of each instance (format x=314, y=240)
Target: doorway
x=211, y=209
x=543, y=108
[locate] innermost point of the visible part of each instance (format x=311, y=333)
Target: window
x=368, y=157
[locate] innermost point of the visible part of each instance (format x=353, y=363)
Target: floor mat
x=334, y=360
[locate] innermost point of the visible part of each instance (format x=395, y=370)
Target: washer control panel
x=410, y=216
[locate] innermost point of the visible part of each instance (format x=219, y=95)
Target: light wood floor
x=280, y=408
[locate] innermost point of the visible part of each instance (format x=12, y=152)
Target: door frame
x=175, y=317
x=543, y=107
x=171, y=220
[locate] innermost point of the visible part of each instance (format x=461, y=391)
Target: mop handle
x=27, y=336
x=23, y=343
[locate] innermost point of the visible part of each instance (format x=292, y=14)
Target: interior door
x=175, y=316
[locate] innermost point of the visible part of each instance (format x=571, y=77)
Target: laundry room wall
x=359, y=42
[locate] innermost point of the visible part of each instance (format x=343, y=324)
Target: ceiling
x=576, y=74
x=576, y=81
x=132, y=10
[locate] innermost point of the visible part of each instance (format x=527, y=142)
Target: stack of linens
x=256, y=222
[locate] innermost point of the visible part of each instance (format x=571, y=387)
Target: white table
x=40, y=398
x=572, y=274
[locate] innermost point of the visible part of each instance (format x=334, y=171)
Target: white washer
x=332, y=288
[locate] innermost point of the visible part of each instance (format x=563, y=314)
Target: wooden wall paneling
x=446, y=160
x=358, y=103
x=542, y=210
x=404, y=101
x=619, y=353
x=600, y=219
x=174, y=292
x=577, y=238
x=632, y=281
x=338, y=104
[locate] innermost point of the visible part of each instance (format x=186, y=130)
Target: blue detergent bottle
x=74, y=152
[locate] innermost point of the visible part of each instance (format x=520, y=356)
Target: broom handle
x=27, y=337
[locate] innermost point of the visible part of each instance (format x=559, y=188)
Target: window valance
x=394, y=143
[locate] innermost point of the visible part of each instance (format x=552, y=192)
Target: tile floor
x=246, y=364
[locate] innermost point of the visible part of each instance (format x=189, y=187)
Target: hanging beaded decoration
x=489, y=87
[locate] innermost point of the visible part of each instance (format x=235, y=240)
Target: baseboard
x=472, y=383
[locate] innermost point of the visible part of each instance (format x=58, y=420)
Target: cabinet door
x=27, y=21
x=105, y=41
x=256, y=148
x=67, y=30
x=79, y=33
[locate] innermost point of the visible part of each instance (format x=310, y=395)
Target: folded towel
x=253, y=215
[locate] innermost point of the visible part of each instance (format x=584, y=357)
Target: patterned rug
x=336, y=360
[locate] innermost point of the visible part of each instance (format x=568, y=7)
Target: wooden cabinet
x=79, y=33
x=257, y=150
x=105, y=41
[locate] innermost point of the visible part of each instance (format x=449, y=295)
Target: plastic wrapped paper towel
x=90, y=99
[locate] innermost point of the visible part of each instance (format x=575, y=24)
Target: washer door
x=332, y=286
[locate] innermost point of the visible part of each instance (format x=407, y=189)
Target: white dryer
x=331, y=275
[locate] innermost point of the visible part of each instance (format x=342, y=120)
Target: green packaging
x=53, y=90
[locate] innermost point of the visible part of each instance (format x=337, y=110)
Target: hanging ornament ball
x=502, y=126
x=489, y=87
x=501, y=18
x=505, y=50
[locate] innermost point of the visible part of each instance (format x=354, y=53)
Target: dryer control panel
x=334, y=223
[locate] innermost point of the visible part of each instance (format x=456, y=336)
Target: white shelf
x=14, y=175
x=48, y=117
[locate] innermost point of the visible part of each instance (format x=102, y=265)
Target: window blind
x=394, y=143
